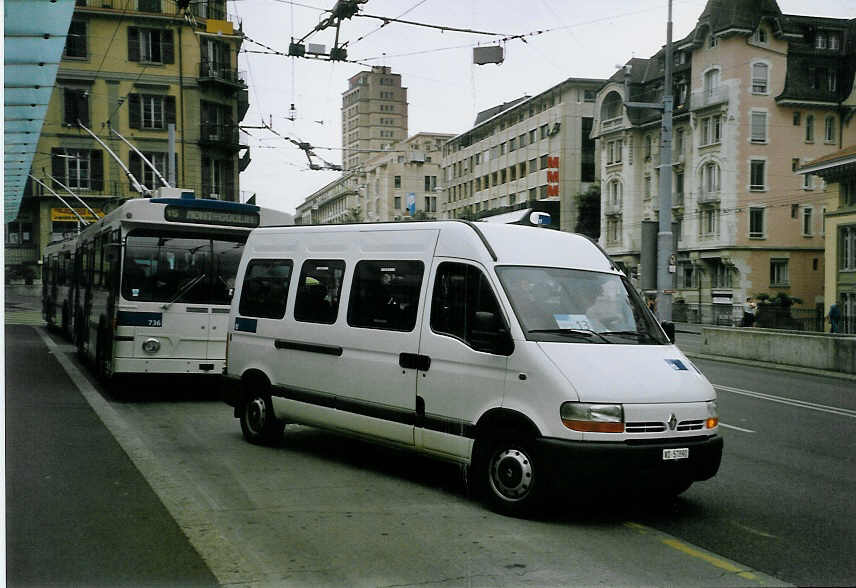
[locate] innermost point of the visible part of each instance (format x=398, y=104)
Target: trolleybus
x=146, y=288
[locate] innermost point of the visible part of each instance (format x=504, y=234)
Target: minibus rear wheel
x=506, y=472
x=258, y=423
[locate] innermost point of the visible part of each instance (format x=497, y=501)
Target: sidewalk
x=78, y=512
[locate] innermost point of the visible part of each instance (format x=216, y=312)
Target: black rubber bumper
x=628, y=464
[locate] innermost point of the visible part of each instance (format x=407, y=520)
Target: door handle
x=414, y=361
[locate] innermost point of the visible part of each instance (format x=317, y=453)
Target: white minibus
x=519, y=352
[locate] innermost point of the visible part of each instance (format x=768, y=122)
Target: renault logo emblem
x=673, y=422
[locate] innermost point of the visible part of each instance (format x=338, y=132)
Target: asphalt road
x=322, y=510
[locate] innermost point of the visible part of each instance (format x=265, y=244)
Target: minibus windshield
x=577, y=306
x=180, y=268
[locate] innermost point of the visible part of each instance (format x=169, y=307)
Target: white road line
x=721, y=424
x=846, y=412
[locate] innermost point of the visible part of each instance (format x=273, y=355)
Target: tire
x=258, y=423
x=507, y=475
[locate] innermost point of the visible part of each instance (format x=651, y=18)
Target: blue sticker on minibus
x=677, y=365
x=139, y=319
x=246, y=325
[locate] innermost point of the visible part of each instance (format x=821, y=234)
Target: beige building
x=337, y=202
x=374, y=115
x=136, y=66
x=757, y=94
x=530, y=149
x=404, y=183
x=839, y=172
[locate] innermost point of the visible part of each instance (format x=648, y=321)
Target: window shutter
x=135, y=164
x=167, y=51
x=82, y=99
x=70, y=107
x=206, y=177
x=169, y=105
x=134, y=111
x=96, y=173
x=58, y=166
x=133, y=44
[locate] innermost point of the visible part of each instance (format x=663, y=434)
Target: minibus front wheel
x=507, y=471
x=258, y=423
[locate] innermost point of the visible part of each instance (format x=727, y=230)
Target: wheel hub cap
x=511, y=474
x=256, y=414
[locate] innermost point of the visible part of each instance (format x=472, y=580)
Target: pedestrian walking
x=749, y=310
x=834, y=318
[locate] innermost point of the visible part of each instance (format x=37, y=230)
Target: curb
x=773, y=366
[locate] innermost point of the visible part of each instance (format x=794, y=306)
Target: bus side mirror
x=669, y=328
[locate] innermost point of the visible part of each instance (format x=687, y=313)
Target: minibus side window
x=265, y=288
x=385, y=295
x=464, y=306
x=319, y=290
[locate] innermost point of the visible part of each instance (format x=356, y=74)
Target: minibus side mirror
x=490, y=335
x=669, y=328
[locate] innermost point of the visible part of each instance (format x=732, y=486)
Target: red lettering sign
x=552, y=177
x=553, y=162
x=552, y=190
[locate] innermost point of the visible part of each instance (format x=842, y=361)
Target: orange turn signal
x=712, y=422
x=594, y=426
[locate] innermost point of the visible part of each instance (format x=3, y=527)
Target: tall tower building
x=374, y=115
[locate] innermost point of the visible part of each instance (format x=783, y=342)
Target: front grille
x=673, y=441
x=651, y=427
x=691, y=425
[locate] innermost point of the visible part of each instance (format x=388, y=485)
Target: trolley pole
x=664, y=236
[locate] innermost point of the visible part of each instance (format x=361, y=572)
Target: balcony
x=708, y=197
x=612, y=124
x=709, y=97
x=216, y=73
x=224, y=136
x=611, y=208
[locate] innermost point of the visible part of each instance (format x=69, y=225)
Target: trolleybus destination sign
x=180, y=214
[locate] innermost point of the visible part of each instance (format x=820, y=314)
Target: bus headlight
x=593, y=418
x=151, y=345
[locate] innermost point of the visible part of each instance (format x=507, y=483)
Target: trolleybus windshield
x=180, y=267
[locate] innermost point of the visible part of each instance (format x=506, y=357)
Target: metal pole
x=61, y=199
x=136, y=184
x=67, y=189
x=664, y=236
x=170, y=166
x=143, y=157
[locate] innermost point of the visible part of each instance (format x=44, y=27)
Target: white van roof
x=485, y=242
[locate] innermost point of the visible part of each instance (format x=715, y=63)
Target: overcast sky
x=581, y=38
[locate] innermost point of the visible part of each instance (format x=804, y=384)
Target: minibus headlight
x=593, y=418
x=712, y=415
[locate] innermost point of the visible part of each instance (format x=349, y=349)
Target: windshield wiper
x=184, y=291
x=635, y=334
x=584, y=333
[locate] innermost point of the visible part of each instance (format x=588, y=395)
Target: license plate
x=681, y=453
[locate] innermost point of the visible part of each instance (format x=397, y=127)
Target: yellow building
x=138, y=67
x=839, y=172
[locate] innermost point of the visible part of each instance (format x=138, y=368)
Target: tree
x=588, y=208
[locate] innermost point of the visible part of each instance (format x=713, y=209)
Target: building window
x=430, y=183
x=756, y=223
x=779, y=272
x=808, y=181
x=834, y=41
x=75, y=42
x=156, y=112
x=21, y=233
x=150, y=45
x=80, y=169
x=614, y=194
x=714, y=41
x=760, y=73
x=711, y=82
x=686, y=276
x=848, y=193
x=720, y=275
x=759, y=127
x=613, y=151
x=396, y=182
x=647, y=182
x=760, y=35
x=710, y=178
x=829, y=129
x=647, y=147
x=757, y=173
x=820, y=40
x=397, y=203
x=543, y=131
x=76, y=107
x=711, y=130
x=430, y=204
x=807, y=228
x=709, y=225
x=679, y=141
x=797, y=118
x=613, y=230
x=847, y=248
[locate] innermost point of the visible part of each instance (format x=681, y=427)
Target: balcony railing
x=705, y=197
x=220, y=135
x=215, y=72
x=709, y=97
x=611, y=208
x=611, y=124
